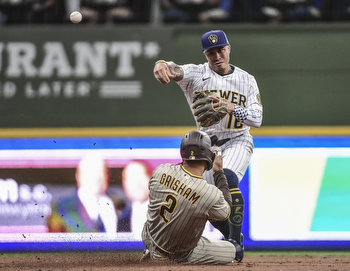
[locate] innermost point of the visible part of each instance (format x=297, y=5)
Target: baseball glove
x=204, y=111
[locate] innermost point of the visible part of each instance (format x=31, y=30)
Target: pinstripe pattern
x=179, y=206
x=236, y=155
x=239, y=88
x=212, y=252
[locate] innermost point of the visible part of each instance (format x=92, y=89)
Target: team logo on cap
x=213, y=39
x=192, y=157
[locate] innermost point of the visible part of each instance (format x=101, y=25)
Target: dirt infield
x=130, y=261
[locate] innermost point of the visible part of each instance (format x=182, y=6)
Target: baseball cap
x=214, y=38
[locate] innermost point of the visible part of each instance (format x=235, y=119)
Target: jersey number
x=236, y=123
x=169, y=208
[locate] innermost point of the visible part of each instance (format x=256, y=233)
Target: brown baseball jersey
x=179, y=206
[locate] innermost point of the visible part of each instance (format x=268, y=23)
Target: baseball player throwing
x=181, y=202
x=235, y=94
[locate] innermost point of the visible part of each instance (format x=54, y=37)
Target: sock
x=236, y=216
x=223, y=227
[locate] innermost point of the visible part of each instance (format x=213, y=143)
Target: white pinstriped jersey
x=238, y=87
x=179, y=206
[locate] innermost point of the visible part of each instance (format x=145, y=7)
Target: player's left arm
x=222, y=208
x=220, y=211
x=252, y=114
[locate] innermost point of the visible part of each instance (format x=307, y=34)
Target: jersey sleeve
x=192, y=78
x=220, y=211
x=252, y=115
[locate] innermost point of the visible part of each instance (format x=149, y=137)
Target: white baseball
x=76, y=17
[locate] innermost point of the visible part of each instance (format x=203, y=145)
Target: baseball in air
x=76, y=17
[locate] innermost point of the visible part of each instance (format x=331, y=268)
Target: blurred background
x=174, y=11
x=70, y=89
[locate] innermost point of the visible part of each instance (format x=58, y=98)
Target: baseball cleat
x=145, y=256
x=239, y=250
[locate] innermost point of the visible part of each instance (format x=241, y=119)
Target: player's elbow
x=253, y=123
x=256, y=124
x=226, y=216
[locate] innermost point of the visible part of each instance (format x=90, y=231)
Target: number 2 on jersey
x=169, y=208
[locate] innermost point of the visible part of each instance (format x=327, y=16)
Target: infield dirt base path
x=127, y=262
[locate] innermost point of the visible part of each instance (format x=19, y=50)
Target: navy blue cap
x=214, y=38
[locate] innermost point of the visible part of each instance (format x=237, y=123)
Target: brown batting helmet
x=196, y=145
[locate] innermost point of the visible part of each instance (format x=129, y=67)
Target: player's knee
x=231, y=177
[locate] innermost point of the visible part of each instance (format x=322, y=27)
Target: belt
x=172, y=255
x=163, y=251
x=221, y=142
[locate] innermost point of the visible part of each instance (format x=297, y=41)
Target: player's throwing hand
x=217, y=165
x=162, y=72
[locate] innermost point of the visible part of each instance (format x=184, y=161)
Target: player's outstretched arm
x=164, y=71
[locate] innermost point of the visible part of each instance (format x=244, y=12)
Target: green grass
x=298, y=253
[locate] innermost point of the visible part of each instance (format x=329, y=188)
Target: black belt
x=162, y=251
x=221, y=142
x=172, y=255
x=167, y=254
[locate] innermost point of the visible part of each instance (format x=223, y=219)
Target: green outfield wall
x=80, y=76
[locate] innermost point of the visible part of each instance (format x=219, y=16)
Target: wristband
x=240, y=113
x=159, y=61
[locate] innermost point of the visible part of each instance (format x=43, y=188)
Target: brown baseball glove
x=204, y=111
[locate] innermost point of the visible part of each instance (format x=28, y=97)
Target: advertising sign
x=86, y=77
x=295, y=189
